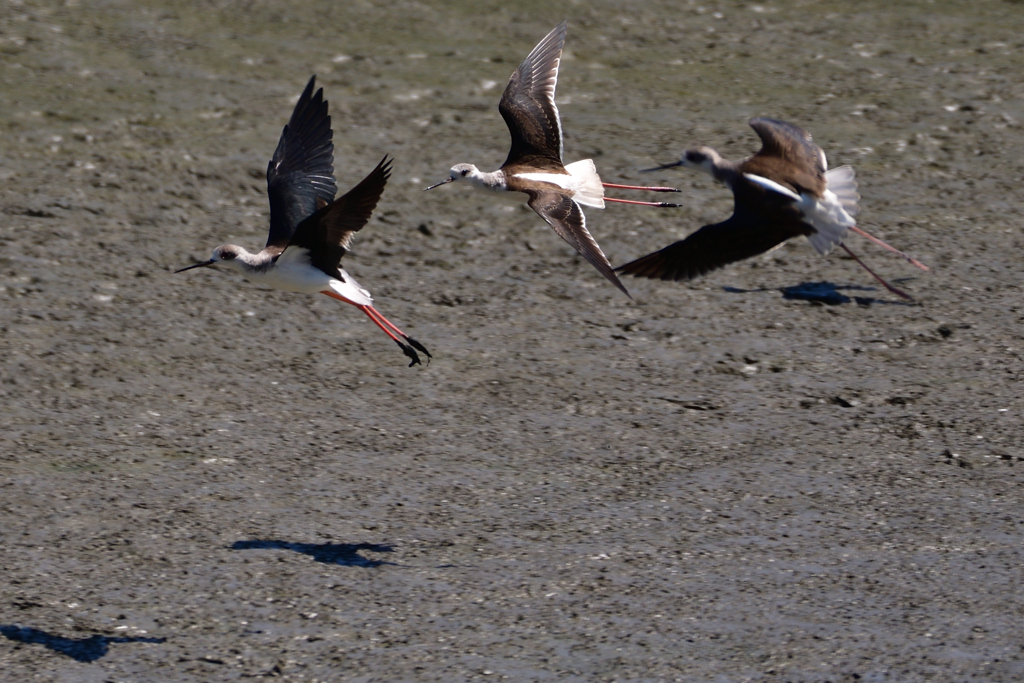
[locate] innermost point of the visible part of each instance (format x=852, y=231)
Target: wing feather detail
x=328, y=232
x=300, y=175
x=528, y=105
x=566, y=218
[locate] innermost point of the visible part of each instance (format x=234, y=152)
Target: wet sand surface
x=714, y=481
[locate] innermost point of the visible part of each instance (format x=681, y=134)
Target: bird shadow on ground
x=81, y=650
x=345, y=554
x=826, y=293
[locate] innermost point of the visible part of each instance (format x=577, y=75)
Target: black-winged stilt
x=783, y=191
x=534, y=164
x=310, y=230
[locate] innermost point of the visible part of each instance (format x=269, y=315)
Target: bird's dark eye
x=227, y=256
x=465, y=171
x=694, y=157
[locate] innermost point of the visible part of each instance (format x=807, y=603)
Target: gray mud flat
x=717, y=481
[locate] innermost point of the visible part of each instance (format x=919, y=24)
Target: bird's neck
x=724, y=171
x=495, y=180
x=247, y=262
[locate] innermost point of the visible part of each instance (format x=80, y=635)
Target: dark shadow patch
x=831, y=294
x=691, y=404
x=81, y=650
x=826, y=293
x=345, y=554
x=740, y=290
x=821, y=292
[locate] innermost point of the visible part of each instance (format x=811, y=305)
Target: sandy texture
x=201, y=480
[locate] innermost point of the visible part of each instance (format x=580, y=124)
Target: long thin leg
x=373, y=314
x=378, y=323
x=894, y=290
x=379, y=318
x=642, y=187
x=907, y=258
x=665, y=205
x=406, y=348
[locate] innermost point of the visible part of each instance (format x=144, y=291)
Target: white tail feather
x=589, y=190
x=843, y=184
x=351, y=290
x=829, y=218
x=828, y=236
x=832, y=215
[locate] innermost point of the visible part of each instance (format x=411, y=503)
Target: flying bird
x=310, y=230
x=783, y=191
x=534, y=164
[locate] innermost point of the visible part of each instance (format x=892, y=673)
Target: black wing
x=567, y=219
x=528, y=103
x=743, y=235
x=781, y=141
x=300, y=177
x=328, y=233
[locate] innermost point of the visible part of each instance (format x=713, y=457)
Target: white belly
x=292, y=277
x=292, y=272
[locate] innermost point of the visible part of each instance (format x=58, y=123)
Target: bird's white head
x=701, y=159
x=461, y=172
x=227, y=254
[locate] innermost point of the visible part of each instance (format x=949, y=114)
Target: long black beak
x=443, y=182
x=198, y=265
x=662, y=167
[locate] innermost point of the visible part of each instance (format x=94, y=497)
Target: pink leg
x=383, y=323
x=666, y=205
x=908, y=259
x=642, y=187
x=376, y=322
x=894, y=290
x=377, y=317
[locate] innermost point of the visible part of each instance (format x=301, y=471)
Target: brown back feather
x=787, y=156
x=527, y=105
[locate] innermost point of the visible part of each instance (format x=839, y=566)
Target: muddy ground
x=716, y=481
